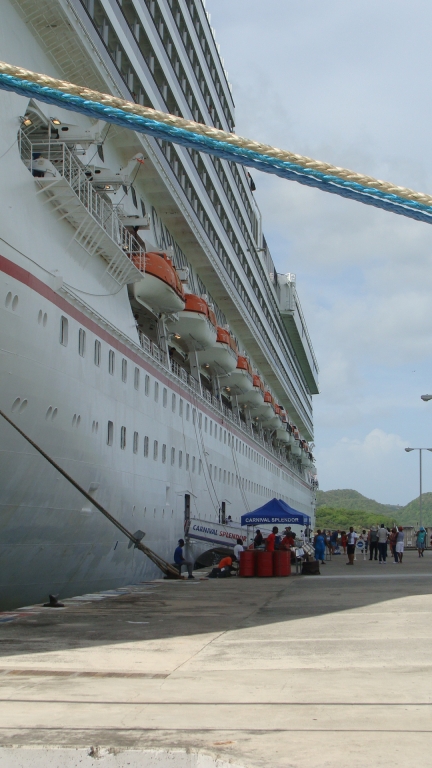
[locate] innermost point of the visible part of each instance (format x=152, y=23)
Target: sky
x=348, y=83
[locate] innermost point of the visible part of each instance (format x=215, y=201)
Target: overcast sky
x=348, y=83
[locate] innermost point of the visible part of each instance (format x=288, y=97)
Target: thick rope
x=340, y=181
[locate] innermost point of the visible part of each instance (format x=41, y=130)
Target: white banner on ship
x=222, y=535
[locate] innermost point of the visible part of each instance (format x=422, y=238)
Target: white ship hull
x=80, y=377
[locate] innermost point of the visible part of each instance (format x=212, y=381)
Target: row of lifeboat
x=195, y=329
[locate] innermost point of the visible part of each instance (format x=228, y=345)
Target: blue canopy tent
x=275, y=511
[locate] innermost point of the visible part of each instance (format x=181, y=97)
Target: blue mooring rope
x=287, y=170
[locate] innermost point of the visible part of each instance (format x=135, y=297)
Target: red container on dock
x=281, y=563
x=247, y=563
x=264, y=564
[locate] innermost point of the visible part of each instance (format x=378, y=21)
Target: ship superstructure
x=148, y=342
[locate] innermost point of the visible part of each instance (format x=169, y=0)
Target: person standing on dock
x=351, y=545
x=400, y=543
x=237, y=549
x=258, y=540
x=421, y=541
x=373, y=543
x=271, y=540
x=319, y=544
x=383, y=535
x=179, y=559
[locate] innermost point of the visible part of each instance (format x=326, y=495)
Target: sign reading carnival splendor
x=224, y=535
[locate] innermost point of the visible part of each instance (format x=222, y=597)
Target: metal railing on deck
x=67, y=166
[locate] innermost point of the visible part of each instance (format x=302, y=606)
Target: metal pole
x=421, y=511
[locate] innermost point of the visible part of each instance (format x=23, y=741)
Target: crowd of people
x=228, y=563
x=376, y=542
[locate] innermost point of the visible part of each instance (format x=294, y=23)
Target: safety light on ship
x=26, y=121
x=55, y=121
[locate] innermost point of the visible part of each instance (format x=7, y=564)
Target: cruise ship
x=147, y=342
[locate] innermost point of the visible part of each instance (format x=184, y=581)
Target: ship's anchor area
x=134, y=538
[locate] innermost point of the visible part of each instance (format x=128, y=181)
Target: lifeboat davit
x=160, y=287
x=240, y=380
x=222, y=358
x=305, y=459
x=196, y=324
x=296, y=443
x=255, y=397
x=294, y=435
x=282, y=433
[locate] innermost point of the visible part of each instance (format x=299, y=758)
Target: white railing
x=68, y=167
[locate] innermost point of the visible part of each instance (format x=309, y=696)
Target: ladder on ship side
x=98, y=229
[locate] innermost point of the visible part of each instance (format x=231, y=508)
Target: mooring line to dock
x=215, y=141
x=162, y=564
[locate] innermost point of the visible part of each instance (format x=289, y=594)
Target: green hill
x=410, y=514
x=349, y=499
x=345, y=507
x=341, y=519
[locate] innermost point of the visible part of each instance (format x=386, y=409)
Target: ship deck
x=302, y=671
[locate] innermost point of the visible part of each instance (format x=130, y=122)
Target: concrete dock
x=305, y=671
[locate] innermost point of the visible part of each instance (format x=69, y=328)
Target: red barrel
x=264, y=563
x=247, y=563
x=281, y=563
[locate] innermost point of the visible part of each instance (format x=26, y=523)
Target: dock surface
x=300, y=672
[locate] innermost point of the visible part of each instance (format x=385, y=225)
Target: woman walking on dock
x=421, y=541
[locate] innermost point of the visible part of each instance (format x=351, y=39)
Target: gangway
x=98, y=228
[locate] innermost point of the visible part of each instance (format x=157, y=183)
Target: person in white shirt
x=383, y=535
x=351, y=545
x=238, y=548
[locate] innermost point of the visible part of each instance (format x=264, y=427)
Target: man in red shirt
x=270, y=540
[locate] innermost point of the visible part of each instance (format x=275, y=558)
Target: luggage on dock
x=311, y=568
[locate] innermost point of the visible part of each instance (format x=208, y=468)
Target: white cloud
x=322, y=79
x=376, y=462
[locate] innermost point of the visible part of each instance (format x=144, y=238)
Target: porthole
x=8, y=300
x=78, y=421
x=45, y=320
x=15, y=404
x=23, y=406
x=49, y=412
x=40, y=316
x=74, y=419
x=14, y=303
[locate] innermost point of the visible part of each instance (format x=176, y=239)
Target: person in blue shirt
x=179, y=559
x=320, y=543
x=421, y=541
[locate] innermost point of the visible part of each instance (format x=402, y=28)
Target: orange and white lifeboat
x=282, y=433
x=255, y=396
x=240, y=380
x=160, y=287
x=266, y=409
x=196, y=325
x=272, y=420
x=222, y=358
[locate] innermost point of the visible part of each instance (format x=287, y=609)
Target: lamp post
x=408, y=450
